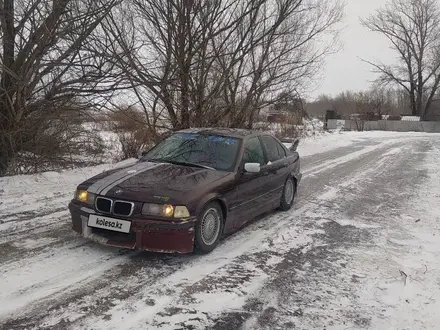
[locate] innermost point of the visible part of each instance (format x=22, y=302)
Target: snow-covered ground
x=360, y=250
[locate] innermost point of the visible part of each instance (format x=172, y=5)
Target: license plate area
x=98, y=221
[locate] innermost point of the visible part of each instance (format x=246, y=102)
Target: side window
x=281, y=150
x=273, y=149
x=253, y=152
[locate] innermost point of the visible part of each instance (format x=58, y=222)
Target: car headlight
x=165, y=210
x=181, y=212
x=85, y=197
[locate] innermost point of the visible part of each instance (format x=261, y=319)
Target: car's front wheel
x=209, y=228
x=288, y=195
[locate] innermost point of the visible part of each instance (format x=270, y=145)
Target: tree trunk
x=413, y=101
x=6, y=146
x=420, y=110
x=185, y=122
x=8, y=58
x=6, y=81
x=8, y=35
x=4, y=161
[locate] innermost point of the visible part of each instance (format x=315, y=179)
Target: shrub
x=53, y=141
x=133, y=132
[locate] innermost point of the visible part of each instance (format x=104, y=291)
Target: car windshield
x=217, y=152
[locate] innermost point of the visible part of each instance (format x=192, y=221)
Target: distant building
x=410, y=118
x=292, y=112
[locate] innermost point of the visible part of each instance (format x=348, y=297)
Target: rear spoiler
x=294, y=143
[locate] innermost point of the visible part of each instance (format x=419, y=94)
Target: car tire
x=288, y=196
x=209, y=228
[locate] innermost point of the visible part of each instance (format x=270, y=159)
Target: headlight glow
x=165, y=210
x=168, y=210
x=81, y=195
x=85, y=197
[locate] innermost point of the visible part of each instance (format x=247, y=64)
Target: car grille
x=104, y=204
x=122, y=208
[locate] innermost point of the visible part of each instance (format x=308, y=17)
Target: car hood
x=150, y=182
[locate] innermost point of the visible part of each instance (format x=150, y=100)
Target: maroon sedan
x=188, y=190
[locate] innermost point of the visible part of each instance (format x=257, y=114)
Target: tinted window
x=253, y=151
x=218, y=152
x=281, y=150
x=273, y=149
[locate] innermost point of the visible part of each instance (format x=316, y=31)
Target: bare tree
x=382, y=101
x=203, y=63
x=46, y=69
x=371, y=103
x=413, y=28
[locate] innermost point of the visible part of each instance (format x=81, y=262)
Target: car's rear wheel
x=288, y=194
x=209, y=228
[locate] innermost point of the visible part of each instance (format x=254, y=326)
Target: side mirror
x=294, y=145
x=142, y=154
x=252, y=167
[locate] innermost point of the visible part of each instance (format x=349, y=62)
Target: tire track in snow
x=320, y=288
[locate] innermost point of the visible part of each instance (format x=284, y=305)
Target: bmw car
x=188, y=191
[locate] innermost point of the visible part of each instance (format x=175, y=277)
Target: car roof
x=239, y=133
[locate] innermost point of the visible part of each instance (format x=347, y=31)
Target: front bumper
x=148, y=235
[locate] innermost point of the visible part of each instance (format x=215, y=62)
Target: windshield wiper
x=175, y=162
x=154, y=160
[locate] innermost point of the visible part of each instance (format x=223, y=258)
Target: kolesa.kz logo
x=107, y=223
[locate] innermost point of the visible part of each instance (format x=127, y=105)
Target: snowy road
x=360, y=250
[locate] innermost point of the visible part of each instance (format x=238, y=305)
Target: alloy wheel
x=288, y=192
x=210, y=226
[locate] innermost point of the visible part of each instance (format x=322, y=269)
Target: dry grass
x=54, y=141
x=132, y=131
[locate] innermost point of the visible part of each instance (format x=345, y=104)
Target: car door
x=277, y=166
x=251, y=187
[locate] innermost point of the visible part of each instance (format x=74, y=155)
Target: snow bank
x=26, y=193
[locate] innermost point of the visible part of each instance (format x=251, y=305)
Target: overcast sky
x=344, y=70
